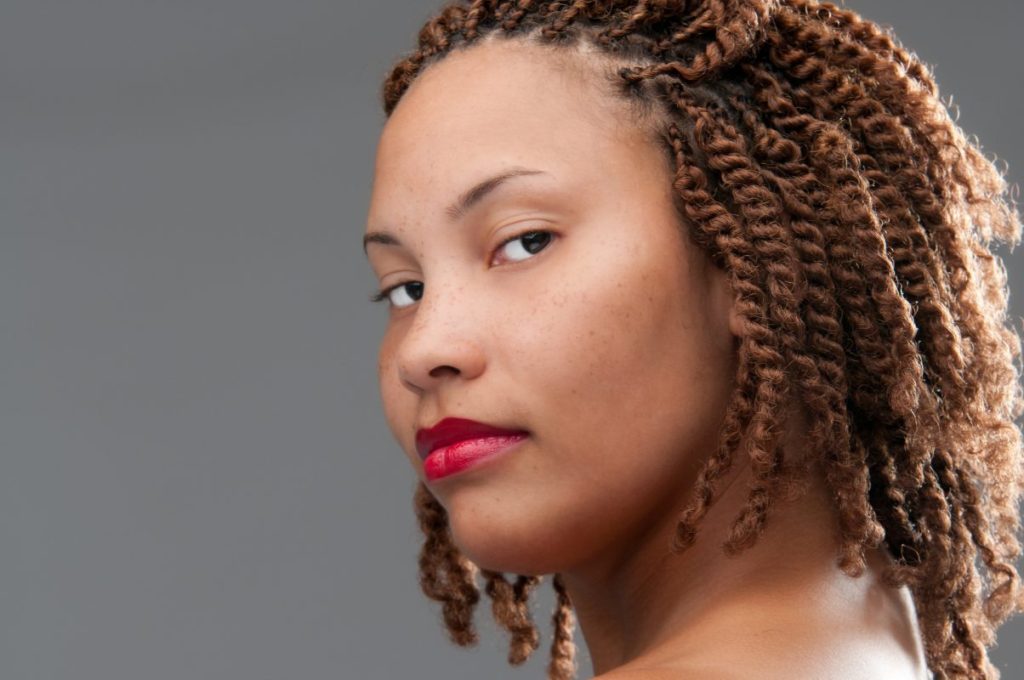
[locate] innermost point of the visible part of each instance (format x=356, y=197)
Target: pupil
x=415, y=289
x=535, y=240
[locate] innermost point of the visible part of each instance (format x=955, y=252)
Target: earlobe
x=737, y=324
x=729, y=300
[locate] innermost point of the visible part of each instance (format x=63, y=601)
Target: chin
x=507, y=539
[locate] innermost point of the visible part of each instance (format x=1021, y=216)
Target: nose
x=442, y=343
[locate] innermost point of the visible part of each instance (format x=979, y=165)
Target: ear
x=737, y=323
x=720, y=283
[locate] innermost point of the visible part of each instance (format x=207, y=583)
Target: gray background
x=196, y=480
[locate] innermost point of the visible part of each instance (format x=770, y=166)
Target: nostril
x=426, y=361
x=437, y=371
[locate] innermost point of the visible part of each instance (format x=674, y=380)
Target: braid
x=782, y=164
x=721, y=234
x=445, y=575
x=813, y=161
x=563, y=651
x=761, y=227
x=511, y=610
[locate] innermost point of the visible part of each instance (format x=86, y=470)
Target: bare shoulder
x=839, y=663
x=660, y=674
x=744, y=672
x=811, y=648
x=678, y=673
x=689, y=670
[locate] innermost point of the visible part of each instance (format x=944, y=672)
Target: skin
x=615, y=347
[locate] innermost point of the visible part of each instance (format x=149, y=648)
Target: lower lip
x=447, y=460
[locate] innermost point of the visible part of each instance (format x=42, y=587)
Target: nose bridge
x=445, y=336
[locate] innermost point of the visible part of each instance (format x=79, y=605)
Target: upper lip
x=451, y=430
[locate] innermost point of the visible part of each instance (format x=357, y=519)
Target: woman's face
x=609, y=341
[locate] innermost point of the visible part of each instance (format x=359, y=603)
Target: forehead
x=503, y=102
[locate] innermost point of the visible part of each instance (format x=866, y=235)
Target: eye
x=401, y=294
x=520, y=247
x=525, y=245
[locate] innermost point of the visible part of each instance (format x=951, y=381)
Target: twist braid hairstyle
x=816, y=164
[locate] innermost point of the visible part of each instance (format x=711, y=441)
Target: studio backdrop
x=196, y=479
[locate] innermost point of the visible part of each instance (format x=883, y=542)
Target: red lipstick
x=457, y=443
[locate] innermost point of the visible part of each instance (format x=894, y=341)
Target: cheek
x=624, y=372
x=619, y=324
x=622, y=398
x=613, y=364
x=397, y=401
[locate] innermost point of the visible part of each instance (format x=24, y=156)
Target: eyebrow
x=461, y=206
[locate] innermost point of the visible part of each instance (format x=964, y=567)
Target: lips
x=453, y=430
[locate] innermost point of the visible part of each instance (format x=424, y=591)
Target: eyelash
x=383, y=294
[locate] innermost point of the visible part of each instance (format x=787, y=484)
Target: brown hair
x=813, y=161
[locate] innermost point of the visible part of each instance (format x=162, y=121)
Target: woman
x=693, y=307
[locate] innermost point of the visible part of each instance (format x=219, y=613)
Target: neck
x=650, y=606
